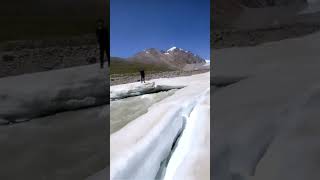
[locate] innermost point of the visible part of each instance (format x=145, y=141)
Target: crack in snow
x=165, y=162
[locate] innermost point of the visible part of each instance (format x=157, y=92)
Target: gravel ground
x=227, y=39
x=130, y=78
x=261, y=30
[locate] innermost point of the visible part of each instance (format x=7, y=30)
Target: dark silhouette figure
x=103, y=41
x=142, y=76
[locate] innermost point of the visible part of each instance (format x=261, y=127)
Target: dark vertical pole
x=107, y=16
x=108, y=31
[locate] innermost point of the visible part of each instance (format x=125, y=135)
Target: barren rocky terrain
x=116, y=79
x=29, y=56
x=237, y=23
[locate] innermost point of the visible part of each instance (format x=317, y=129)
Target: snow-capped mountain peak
x=171, y=49
x=175, y=48
x=173, y=57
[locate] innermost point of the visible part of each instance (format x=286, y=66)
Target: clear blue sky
x=140, y=24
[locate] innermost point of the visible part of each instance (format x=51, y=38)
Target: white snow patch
x=171, y=49
x=207, y=63
x=135, y=89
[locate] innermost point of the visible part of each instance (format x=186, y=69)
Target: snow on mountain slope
x=171, y=49
x=152, y=135
x=266, y=125
x=177, y=49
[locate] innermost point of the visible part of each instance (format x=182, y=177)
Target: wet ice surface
x=125, y=110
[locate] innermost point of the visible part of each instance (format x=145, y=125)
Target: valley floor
x=116, y=79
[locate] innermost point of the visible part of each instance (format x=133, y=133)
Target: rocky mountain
x=174, y=57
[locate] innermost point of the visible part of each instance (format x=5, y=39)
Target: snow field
x=138, y=149
x=266, y=126
x=190, y=158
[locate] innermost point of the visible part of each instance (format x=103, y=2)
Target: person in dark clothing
x=142, y=76
x=103, y=41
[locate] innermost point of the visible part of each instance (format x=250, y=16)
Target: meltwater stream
x=125, y=110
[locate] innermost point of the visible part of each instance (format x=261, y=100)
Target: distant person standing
x=142, y=75
x=102, y=37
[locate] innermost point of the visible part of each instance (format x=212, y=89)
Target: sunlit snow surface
x=136, y=89
x=138, y=149
x=29, y=96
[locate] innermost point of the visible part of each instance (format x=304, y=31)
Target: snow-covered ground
x=140, y=148
x=32, y=95
x=135, y=89
x=266, y=126
x=69, y=145
x=66, y=135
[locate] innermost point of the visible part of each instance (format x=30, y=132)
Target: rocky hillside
x=226, y=12
x=266, y=3
x=252, y=22
x=28, y=56
x=173, y=57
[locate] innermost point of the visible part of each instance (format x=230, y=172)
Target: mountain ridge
x=160, y=60
x=173, y=57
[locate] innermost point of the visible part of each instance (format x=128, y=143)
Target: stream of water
x=125, y=110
